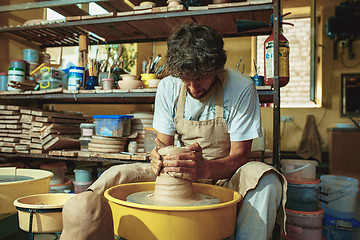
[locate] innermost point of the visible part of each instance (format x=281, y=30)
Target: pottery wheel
x=172, y=191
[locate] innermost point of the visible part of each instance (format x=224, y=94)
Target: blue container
x=258, y=80
x=31, y=55
x=110, y=125
x=3, y=81
x=303, y=196
x=92, y=82
x=340, y=229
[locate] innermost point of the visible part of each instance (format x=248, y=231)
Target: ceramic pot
x=126, y=77
x=130, y=84
x=153, y=83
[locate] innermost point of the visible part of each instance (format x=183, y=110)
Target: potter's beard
x=203, y=95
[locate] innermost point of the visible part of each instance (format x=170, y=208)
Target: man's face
x=199, y=86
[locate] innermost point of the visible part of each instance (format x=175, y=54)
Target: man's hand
x=156, y=163
x=191, y=166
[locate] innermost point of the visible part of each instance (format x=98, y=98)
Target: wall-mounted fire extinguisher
x=284, y=52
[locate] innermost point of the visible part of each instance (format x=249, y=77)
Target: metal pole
x=276, y=112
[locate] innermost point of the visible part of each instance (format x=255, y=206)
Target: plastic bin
x=340, y=229
x=338, y=195
x=59, y=169
x=80, y=187
x=110, y=125
x=299, y=170
x=303, y=196
x=51, y=84
x=304, y=225
x=87, y=129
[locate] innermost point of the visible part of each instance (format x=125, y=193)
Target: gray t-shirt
x=241, y=106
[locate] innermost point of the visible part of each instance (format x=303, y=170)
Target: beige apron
x=212, y=135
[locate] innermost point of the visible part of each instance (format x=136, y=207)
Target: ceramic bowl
x=130, y=84
x=153, y=83
x=126, y=77
x=173, y=3
x=147, y=4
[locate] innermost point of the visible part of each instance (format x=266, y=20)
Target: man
x=215, y=112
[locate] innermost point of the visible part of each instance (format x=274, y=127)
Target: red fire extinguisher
x=284, y=51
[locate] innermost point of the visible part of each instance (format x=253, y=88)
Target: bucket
x=299, y=170
x=58, y=168
x=303, y=195
x=31, y=55
x=9, y=191
x=41, y=213
x=338, y=195
x=304, y=225
x=140, y=221
x=340, y=229
x=83, y=175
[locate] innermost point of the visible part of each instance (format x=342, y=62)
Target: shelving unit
x=124, y=25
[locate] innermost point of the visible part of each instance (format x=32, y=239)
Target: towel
x=310, y=146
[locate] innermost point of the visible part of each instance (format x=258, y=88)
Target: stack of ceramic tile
x=10, y=129
x=50, y=130
x=140, y=121
x=105, y=144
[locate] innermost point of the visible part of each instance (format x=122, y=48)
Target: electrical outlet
x=286, y=118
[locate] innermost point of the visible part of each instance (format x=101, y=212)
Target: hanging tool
x=83, y=50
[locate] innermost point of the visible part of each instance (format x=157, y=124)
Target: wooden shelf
x=125, y=160
x=146, y=25
x=136, y=96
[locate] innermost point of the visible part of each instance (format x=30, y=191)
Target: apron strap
x=219, y=108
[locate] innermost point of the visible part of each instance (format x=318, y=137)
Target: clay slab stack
x=140, y=121
x=104, y=144
x=10, y=129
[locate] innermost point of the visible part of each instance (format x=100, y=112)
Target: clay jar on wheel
x=169, y=189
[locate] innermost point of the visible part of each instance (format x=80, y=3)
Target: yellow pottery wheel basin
x=140, y=221
x=9, y=191
x=47, y=211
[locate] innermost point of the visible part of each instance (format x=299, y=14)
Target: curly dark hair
x=195, y=50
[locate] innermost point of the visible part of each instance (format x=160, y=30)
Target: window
x=297, y=92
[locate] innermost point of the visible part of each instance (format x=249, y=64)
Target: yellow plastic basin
x=9, y=191
x=139, y=221
x=47, y=211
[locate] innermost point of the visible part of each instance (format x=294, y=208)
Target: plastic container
x=59, y=169
x=76, y=78
x=110, y=125
x=51, y=84
x=61, y=188
x=46, y=217
x=31, y=55
x=108, y=83
x=304, y=225
x=340, y=229
x=338, y=195
x=17, y=75
x=84, y=143
x=3, y=81
x=9, y=191
x=146, y=76
x=92, y=82
x=48, y=73
x=150, y=135
x=303, y=196
x=83, y=175
x=18, y=63
x=87, y=129
x=80, y=187
x=299, y=170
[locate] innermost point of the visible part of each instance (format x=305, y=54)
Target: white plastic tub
x=299, y=170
